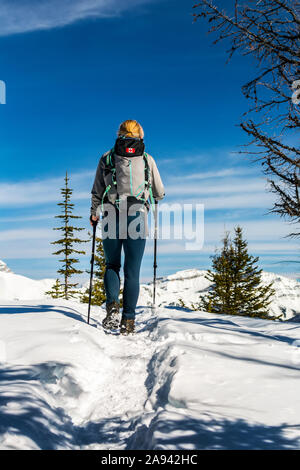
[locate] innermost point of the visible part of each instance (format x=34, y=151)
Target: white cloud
x=29, y=218
x=228, y=192
x=254, y=248
x=20, y=16
x=31, y=193
x=215, y=174
x=255, y=231
x=225, y=193
x=42, y=249
x=26, y=234
x=260, y=200
x=232, y=185
x=32, y=243
x=263, y=236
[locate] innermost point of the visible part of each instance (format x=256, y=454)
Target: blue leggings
x=133, y=250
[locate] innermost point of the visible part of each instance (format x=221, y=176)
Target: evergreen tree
x=56, y=292
x=98, y=291
x=236, y=278
x=67, y=242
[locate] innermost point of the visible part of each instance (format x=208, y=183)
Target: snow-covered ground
x=186, y=380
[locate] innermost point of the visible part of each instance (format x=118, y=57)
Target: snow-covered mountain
x=191, y=284
x=4, y=268
x=17, y=287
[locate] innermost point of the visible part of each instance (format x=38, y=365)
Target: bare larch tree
x=269, y=32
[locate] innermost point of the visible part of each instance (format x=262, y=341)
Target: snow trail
x=71, y=375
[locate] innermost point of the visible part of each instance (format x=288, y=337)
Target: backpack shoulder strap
x=110, y=161
x=147, y=169
x=148, y=179
x=109, y=168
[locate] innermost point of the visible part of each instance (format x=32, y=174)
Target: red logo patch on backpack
x=130, y=150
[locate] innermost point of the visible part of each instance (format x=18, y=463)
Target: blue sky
x=74, y=70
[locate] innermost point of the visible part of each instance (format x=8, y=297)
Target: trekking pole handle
x=93, y=222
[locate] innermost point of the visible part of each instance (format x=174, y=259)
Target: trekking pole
x=92, y=267
x=155, y=254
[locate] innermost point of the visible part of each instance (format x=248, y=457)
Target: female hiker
x=127, y=183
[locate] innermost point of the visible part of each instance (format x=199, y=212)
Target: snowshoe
x=112, y=319
x=127, y=327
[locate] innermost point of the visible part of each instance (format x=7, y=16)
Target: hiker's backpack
x=127, y=173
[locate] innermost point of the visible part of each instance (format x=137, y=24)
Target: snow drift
x=16, y=287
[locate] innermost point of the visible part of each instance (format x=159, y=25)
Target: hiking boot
x=111, y=321
x=127, y=326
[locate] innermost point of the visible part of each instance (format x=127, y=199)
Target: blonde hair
x=131, y=128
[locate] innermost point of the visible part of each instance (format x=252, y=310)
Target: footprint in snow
x=74, y=335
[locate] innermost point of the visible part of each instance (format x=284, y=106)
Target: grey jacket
x=130, y=176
